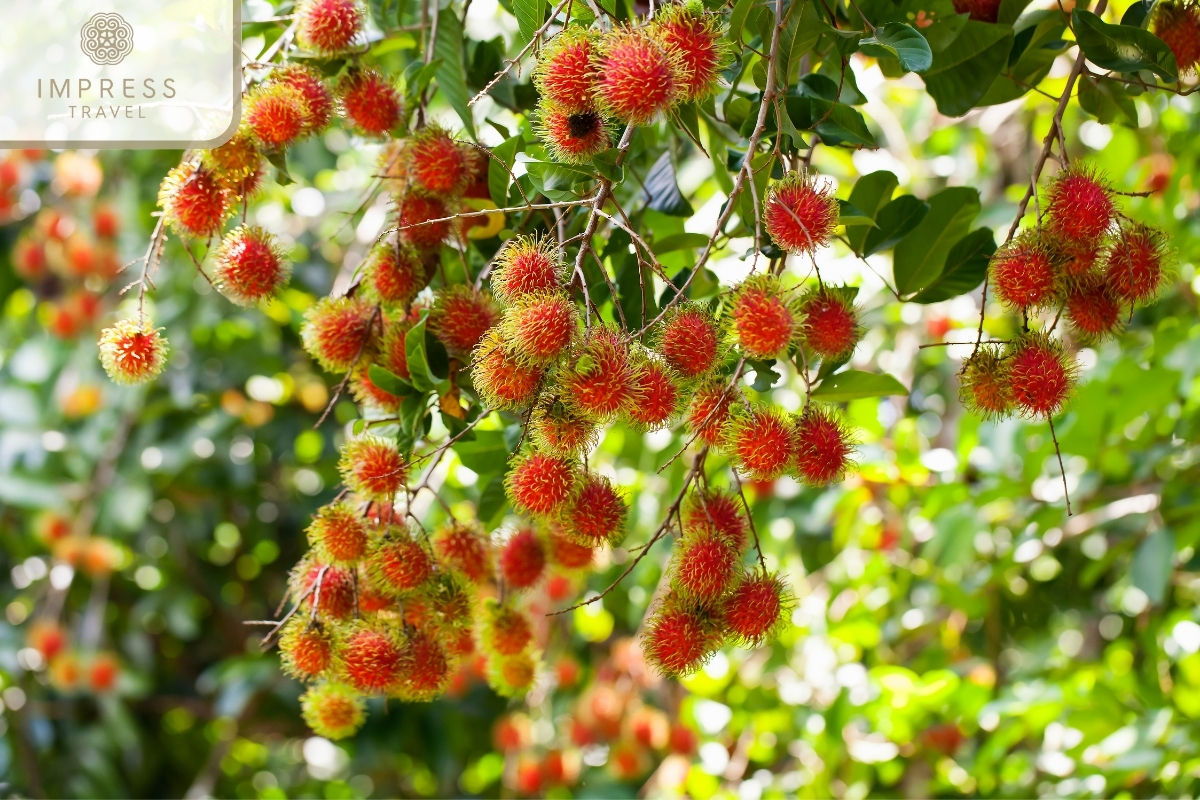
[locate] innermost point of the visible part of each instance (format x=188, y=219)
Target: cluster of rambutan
x=589, y=79
x=93, y=555
x=69, y=669
x=1084, y=262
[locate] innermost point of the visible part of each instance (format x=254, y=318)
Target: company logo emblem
x=106, y=39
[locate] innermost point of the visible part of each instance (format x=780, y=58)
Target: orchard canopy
x=588, y=398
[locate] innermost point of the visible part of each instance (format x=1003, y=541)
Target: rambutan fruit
x=679, y=637
x=251, y=265
x=398, y=563
x=1092, y=309
x=541, y=484
x=1077, y=260
x=427, y=670
x=539, y=327
x=391, y=357
x=103, y=672
x=658, y=396
x=800, y=214
x=696, y=35
x=464, y=546
x=565, y=74
x=1041, y=373
x=328, y=27
x=1177, y=22
x=708, y=412
x=1079, y=205
x=29, y=257
x=637, y=76
x=703, y=564
x=984, y=386
x=506, y=630
x=443, y=605
x=572, y=138
x=599, y=384
x=560, y=586
x=831, y=328
x=371, y=601
x=329, y=589
x=195, y=202
x=393, y=273
x=306, y=650
x=502, y=381
x=567, y=553
x=689, y=339
x=47, y=637
x=511, y=676
x=436, y=163
x=416, y=220
x=333, y=710
x=824, y=447
x=756, y=608
x=764, y=321
x=980, y=10
x=236, y=162
x=373, y=658
x=556, y=430
x=760, y=441
x=337, y=331
x=276, y=114
x=719, y=510
x=525, y=265
x=370, y=102
x=1135, y=270
x=318, y=100
x=339, y=534
x=372, y=467
x=597, y=514
x=1023, y=272
x=133, y=352
x=523, y=559
x=460, y=316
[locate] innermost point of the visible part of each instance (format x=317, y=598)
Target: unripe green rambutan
x=391, y=357
x=251, y=265
x=373, y=467
x=465, y=547
x=1136, y=267
x=333, y=711
x=339, y=534
x=680, y=637
x=506, y=630
x=565, y=74
x=539, y=327
x=572, y=138
x=393, y=273
x=800, y=214
x=719, y=510
x=984, y=385
x=555, y=429
x=417, y=213
x=436, y=163
x=306, y=649
x=597, y=513
x=277, y=114
x=708, y=412
x=527, y=264
x=831, y=328
x=756, y=608
x=337, y=331
x=133, y=352
x=541, y=484
x=1023, y=272
x=599, y=385
x=460, y=317
x=194, y=201
x=760, y=441
x=328, y=27
x=689, y=339
x=511, y=676
x=398, y=563
x=1079, y=204
x=522, y=559
x=703, y=565
x=824, y=447
x=370, y=102
x=502, y=381
x=1041, y=373
x=764, y=321
x=658, y=398
x=638, y=77
x=697, y=36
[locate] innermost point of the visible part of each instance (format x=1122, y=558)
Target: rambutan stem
x=341, y=387
x=762, y=562
x=1061, y=470
x=537, y=35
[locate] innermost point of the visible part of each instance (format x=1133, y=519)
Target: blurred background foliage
x=955, y=632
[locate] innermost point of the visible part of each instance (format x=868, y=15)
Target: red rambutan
x=506, y=630
x=1177, y=22
x=460, y=316
x=1092, y=309
x=597, y=514
x=399, y=563
x=103, y=672
x=565, y=74
x=337, y=331
x=306, y=650
x=194, y=201
x=48, y=638
x=373, y=659
x=756, y=608
x=29, y=257
x=764, y=321
x=1077, y=260
x=437, y=163
x=393, y=273
x=250, y=265
x=523, y=559
x=502, y=381
x=538, y=327
x=339, y=534
x=1041, y=373
x=566, y=553
x=600, y=383
x=276, y=114
x=328, y=27
x=1023, y=272
x=980, y=10
x=235, y=163
x=800, y=215
x=464, y=546
x=318, y=100
x=372, y=467
x=680, y=637
x=708, y=412
x=417, y=212
x=132, y=351
x=427, y=670
x=760, y=442
x=1135, y=270
x=823, y=447
x=541, y=484
x=443, y=605
x=689, y=340
x=572, y=137
x=637, y=76
x=831, y=328
x=719, y=510
x=525, y=265
x=984, y=384
x=333, y=711
x=1079, y=205
x=370, y=102
x=329, y=589
x=703, y=564
x=697, y=36
x=558, y=431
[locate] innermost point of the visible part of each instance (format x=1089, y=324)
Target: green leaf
x=765, y=375
x=678, y=241
x=855, y=385
x=965, y=266
x=552, y=177
x=1010, y=11
x=901, y=42
x=920, y=256
x=1152, y=564
x=498, y=176
x=871, y=192
x=737, y=19
x=662, y=192
x=1035, y=46
x=278, y=159
x=386, y=13
x=893, y=223
x=1138, y=14
x=415, y=352
x=412, y=419
x=1106, y=101
x=486, y=455
x=800, y=34
x=606, y=164
x=390, y=382
x=837, y=123
x=451, y=76
x=1122, y=48
x=852, y=216
x=530, y=14
x=961, y=74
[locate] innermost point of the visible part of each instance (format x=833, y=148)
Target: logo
x=106, y=39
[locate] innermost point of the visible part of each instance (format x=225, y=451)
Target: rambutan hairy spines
x=801, y=213
x=1135, y=269
x=195, y=202
x=565, y=74
x=251, y=265
x=522, y=559
x=541, y=484
x=1177, y=22
x=658, y=396
x=465, y=547
x=506, y=630
x=277, y=114
x=638, y=76
x=306, y=649
x=572, y=138
x=511, y=676
x=337, y=331
x=689, y=339
x=1093, y=310
x=444, y=605
x=555, y=429
x=392, y=357
x=436, y=163
x=427, y=670
x=503, y=381
x=370, y=102
x=417, y=215
x=756, y=608
x=708, y=412
x=824, y=446
x=333, y=710
x=599, y=384
x=831, y=328
x=398, y=563
x=1024, y=272
x=597, y=513
x=133, y=351
x=236, y=162
x=328, y=27
x=329, y=589
x=720, y=510
x=373, y=467
x=318, y=100
x=393, y=273
x=680, y=637
x=539, y=327
x=373, y=658
x=1042, y=375
x=460, y=317
x=984, y=386
x=565, y=552
x=339, y=534
x=1079, y=204
x=527, y=264
x=697, y=36
x=703, y=564
x=764, y=319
